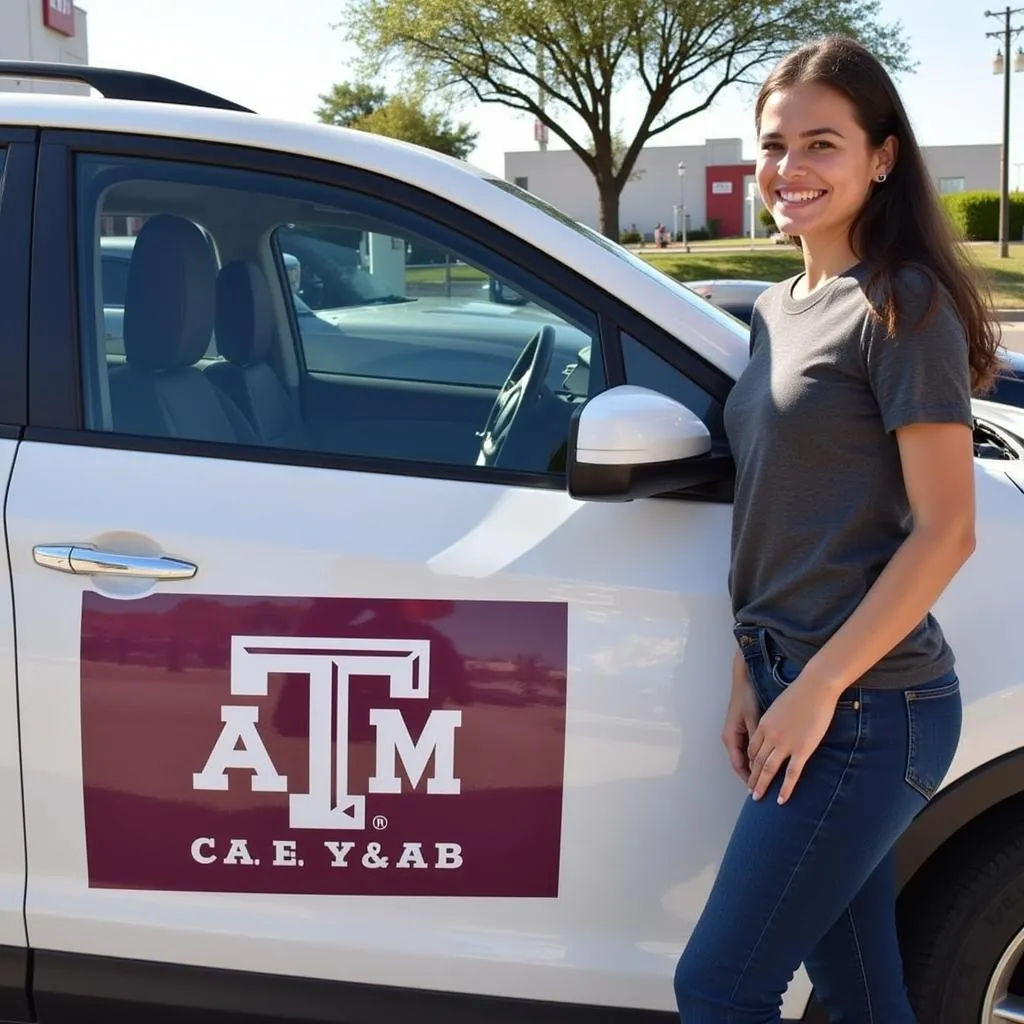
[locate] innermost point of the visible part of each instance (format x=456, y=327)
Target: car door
x=17, y=167
x=362, y=706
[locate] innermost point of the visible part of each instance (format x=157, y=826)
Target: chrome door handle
x=81, y=560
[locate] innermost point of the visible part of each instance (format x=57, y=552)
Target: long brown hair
x=902, y=222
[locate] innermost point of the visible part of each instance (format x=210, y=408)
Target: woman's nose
x=789, y=164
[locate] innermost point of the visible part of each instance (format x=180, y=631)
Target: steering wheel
x=521, y=389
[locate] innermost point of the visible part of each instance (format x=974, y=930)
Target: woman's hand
x=741, y=718
x=791, y=729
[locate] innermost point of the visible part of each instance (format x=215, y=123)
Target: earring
x=882, y=178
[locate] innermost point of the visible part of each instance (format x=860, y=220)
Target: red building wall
x=60, y=16
x=727, y=207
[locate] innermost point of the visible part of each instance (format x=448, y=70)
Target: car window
x=237, y=307
x=371, y=304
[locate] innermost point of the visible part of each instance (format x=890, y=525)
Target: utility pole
x=1002, y=65
x=682, y=203
x=540, y=129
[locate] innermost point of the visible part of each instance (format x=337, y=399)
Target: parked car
x=365, y=647
x=736, y=297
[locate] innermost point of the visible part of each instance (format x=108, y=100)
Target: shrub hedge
x=975, y=215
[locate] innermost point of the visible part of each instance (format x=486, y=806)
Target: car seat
x=168, y=323
x=245, y=332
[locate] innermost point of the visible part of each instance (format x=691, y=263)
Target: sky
x=279, y=56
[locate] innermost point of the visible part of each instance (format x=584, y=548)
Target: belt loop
x=746, y=636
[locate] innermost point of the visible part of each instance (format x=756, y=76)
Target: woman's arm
x=938, y=472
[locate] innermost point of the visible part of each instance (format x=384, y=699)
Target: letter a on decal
x=239, y=745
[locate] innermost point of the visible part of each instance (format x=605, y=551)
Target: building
x=49, y=30
x=713, y=187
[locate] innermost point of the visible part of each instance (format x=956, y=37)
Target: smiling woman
x=839, y=161
x=851, y=430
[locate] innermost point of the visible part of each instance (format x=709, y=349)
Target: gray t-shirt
x=821, y=506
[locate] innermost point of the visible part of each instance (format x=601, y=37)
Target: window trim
x=295, y=457
x=16, y=205
x=56, y=411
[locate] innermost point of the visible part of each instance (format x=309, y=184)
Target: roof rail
x=116, y=84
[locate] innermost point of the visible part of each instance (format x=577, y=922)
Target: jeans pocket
x=934, y=720
x=784, y=670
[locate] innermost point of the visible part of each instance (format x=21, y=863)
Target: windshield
x=626, y=256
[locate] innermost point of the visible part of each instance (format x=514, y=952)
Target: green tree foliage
x=370, y=109
x=567, y=62
x=767, y=220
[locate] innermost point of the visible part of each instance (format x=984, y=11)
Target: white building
x=714, y=185
x=48, y=30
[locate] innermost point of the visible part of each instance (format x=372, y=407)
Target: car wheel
x=963, y=934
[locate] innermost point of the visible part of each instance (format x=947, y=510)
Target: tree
x=346, y=105
x=370, y=109
x=565, y=61
x=620, y=147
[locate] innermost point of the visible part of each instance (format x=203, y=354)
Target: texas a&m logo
x=427, y=762
x=403, y=666
x=329, y=665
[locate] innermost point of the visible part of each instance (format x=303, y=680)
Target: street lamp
x=682, y=202
x=1001, y=66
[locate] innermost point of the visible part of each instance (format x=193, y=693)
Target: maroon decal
x=291, y=745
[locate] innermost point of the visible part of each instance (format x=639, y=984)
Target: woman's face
x=815, y=165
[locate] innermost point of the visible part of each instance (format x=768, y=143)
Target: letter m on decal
x=394, y=744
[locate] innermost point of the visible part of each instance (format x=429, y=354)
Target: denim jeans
x=813, y=881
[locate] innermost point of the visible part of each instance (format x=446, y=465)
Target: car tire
x=962, y=924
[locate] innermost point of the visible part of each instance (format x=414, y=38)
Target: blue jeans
x=813, y=881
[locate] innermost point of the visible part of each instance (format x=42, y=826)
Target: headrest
x=169, y=302
x=245, y=315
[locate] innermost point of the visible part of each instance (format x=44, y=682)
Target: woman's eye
x=821, y=144
x=770, y=147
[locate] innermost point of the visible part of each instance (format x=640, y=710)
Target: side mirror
x=294, y=270
x=630, y=442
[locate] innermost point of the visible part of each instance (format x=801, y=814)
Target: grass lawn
x=436, y=275
x=718, y=243
x=769, y=265
x=1006, y=277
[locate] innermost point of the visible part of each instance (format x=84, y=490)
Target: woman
x=854, y=508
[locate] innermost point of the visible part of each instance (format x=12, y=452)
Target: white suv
x=340, y=677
